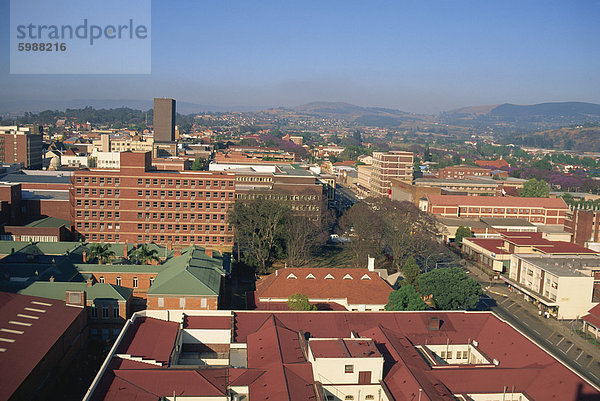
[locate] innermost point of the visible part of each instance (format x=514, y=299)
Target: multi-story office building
x=21, y=145
x=164, y=120
x=137, y=204
x=394, y=164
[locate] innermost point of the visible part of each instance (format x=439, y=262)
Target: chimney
x=169, y=246
x=75, y=298
x=434, y=323
x=84, y=255
x=125, y=251
x=371, y=264
x=88, y=282
x=51, y=279
x=177, y=252
x=208, y=252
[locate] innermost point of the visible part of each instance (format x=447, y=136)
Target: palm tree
x=101, y=252
x=144, y=255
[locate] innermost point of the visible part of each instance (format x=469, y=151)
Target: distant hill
x=511, y=117
x=583, y=139
x=8, y=107
x=373, y=116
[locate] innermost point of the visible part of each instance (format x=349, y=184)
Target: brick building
x=137, y=204
x=394, y=164
x=584, y=224
x=535, y=210
x=461, y=172
x=21, y=145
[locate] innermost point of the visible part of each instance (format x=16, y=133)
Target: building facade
x=164, y=120
x=584, y=224
x=535, y=210
x=21, y=145
x=394, y=164
x=136, y=204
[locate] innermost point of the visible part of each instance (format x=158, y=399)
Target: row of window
x=101, y=191
x=134, y=281
x=199, y=216
x=99, y=180
x=280, y=197
x=101, y=214
x=200, y=194
x=183, y=227
x=95, y=202
x=350, y=397
x=185, y=183
x=177, y=205
x=185, y=239
x=501, y=210
x=459, y=354
x=105, y=311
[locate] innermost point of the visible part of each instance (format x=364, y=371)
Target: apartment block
x=137, y=204
x=386, y=166
x=462, y=172
x=21, y=145
x=565, y=286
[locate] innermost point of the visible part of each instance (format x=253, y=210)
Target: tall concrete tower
x=164, y=120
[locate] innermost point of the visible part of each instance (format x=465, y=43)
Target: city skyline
x=412, y=57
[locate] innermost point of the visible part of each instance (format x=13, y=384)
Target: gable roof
x=192, y=273
x=328, y=283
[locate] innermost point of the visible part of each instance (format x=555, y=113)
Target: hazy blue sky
x=419, y=56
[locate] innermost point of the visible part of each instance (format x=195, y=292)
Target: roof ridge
x=197, y=371
x=132, y=383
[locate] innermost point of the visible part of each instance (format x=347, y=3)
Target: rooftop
x=496, y=201
x=563, y=266
x=30, y=327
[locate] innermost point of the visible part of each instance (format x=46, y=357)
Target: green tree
x=101, y=252
x=534, y=188
x=405, y=298
x=300, y=302
x=200, y=163
x=144, y=255
x=450, y=289
x=411, y=272
x=462, y=232
x=259, y=224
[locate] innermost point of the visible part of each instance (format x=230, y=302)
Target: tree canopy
x=450, y=288
x=411, y=272
x=101, y=252
x=144, y=255
x=405, y=298
x=300, y=302
x=535, y=188
x=462, y=232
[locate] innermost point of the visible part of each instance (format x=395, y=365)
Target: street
x=556, y=337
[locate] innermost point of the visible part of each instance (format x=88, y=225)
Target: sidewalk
x=499, y=290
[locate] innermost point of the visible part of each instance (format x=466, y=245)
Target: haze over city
x=413, y=56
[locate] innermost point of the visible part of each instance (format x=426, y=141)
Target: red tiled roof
x=569, y=248
x=593, y=316
x=141, y=339
x=208, y=322
x=343, y=348
x=49, y=319
x=356, y=290
x=496, y=201
x=489, y=244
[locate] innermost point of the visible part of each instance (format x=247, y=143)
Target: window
x=349, y=397
x=328, y=277
x=151, y=281
x=182, y=302
x=118, y=280
x=115, y=311
x=348, y=368
x=101, y=279
x=104, y=311
x=94, y=312
x=135, y=282
x=204, y=303
x=161, y=302
x=369, y=397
